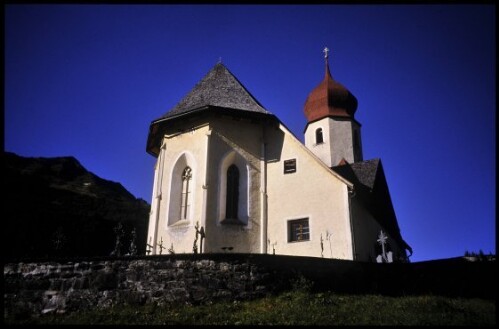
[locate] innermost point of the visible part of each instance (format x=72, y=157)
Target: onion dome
x=329, y=99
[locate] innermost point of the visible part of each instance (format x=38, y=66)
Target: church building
x=231, y=177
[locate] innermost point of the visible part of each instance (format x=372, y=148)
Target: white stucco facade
x=230, y=177
x=313, y=192
x=165, y=225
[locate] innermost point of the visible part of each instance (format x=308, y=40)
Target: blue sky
x=87, y=80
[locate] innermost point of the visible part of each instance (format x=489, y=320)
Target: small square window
x=289, y=166
x=298, y=230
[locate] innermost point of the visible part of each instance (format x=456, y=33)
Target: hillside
x=55, y=207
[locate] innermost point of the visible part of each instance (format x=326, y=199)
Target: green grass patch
x=292, y=308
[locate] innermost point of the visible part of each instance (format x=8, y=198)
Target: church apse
x=233, y=199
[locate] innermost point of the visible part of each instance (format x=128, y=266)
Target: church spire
x=330, y=110
x=326, y=60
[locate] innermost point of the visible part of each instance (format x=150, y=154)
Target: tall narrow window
x=232, y=192
x=319, y=139
x=184, y=203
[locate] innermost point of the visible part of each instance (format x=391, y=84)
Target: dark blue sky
x=87, y=80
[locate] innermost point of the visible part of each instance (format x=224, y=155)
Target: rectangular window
x=289, y=166
x=298, y=230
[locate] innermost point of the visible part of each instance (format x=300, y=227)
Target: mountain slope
x=55, y=207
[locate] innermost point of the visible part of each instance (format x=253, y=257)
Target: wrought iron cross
x=382, y=241
x=160, y=245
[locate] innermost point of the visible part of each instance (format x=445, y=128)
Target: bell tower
x=332, y=133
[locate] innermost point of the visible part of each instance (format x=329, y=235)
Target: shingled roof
x=364, y=172
x=218, y=88
x=219, y=92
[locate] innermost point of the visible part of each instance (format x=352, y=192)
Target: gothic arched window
x=232, y=197
x=184, y=200
x=319, y=139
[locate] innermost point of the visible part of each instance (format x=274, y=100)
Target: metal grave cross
x=382, y=241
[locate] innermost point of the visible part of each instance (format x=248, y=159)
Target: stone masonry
x=39, y=288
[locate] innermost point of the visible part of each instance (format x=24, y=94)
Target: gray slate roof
x=219, y=88
x=364, y=172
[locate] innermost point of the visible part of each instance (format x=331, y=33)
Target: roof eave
x=206, y=109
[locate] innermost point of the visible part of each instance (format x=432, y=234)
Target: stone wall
x=38, y=287
x=77, y=285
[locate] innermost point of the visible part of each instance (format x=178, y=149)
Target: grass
x=292, y=308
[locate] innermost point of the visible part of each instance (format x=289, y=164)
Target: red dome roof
x=329, y=98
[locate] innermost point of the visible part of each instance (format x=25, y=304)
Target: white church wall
x=338, y=135
x=233, y=157
x=342, y=141
x=176, y=215
x=312, y=192
x=183, y=149
x=321, y=150
x=234, y=142
x=152, y=229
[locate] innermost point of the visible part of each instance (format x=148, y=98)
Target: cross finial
x=326, y=52
x=219, y=60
